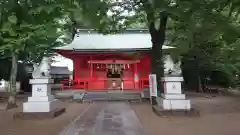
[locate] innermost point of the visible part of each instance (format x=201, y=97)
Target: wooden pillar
x=135, y=68
x=76, y=65
x=135, y=75
x=91, y=67
x=73, y=73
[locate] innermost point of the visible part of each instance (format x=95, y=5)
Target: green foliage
x=211, y=36
x=28, y=30
x=31, y=28
x=207, y=30
x=204, y=30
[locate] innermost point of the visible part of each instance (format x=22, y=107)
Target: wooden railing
x=74, y=84
x=84, y=82
x=144, y=83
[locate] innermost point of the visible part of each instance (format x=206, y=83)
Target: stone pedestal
x=42, y=102
x=172, y=98
x=172, y=102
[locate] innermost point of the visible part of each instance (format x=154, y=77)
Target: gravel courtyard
x=220, y=115
x=9, y=126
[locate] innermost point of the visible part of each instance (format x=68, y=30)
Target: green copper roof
x=89, y=40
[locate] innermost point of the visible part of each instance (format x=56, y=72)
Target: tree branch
x=150, y=16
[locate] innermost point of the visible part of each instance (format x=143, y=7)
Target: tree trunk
x=200, y=87
x=73, y=29
x=158, y=38
x=203, y=83
x=199, y=84
x=12, y=83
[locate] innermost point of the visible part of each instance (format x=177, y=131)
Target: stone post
x=42, y=103
x=173, y=101
x=41, y=100
x=173, y=98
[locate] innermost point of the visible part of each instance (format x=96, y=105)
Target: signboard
x=153, y=85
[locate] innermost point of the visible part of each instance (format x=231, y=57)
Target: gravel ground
x=8, y=126
x=219, y=116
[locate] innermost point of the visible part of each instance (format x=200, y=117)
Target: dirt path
x=219, y=116
x=8, y=126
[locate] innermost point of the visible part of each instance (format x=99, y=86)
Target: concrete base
x=41, y=99
x=46, y=106
x=173, y=104
x=44, y=80
x=39, y=115
x=174, y=96
x=180, y=112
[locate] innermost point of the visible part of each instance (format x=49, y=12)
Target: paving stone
x=106, y=118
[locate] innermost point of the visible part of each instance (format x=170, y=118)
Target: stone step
x=111, y=95
x=90, y=96
x=114, y=100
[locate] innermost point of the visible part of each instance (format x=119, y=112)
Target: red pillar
x=76, y=66
x=136, y=80
x=91, y=68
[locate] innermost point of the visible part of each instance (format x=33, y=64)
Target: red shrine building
x=109, y=62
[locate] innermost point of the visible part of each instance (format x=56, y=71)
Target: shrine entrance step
x=112, y=96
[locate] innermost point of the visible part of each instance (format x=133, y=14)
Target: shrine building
x=109, y=62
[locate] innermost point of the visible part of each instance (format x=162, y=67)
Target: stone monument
x=42, y=103
x=172, y=101
x=173, y=98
